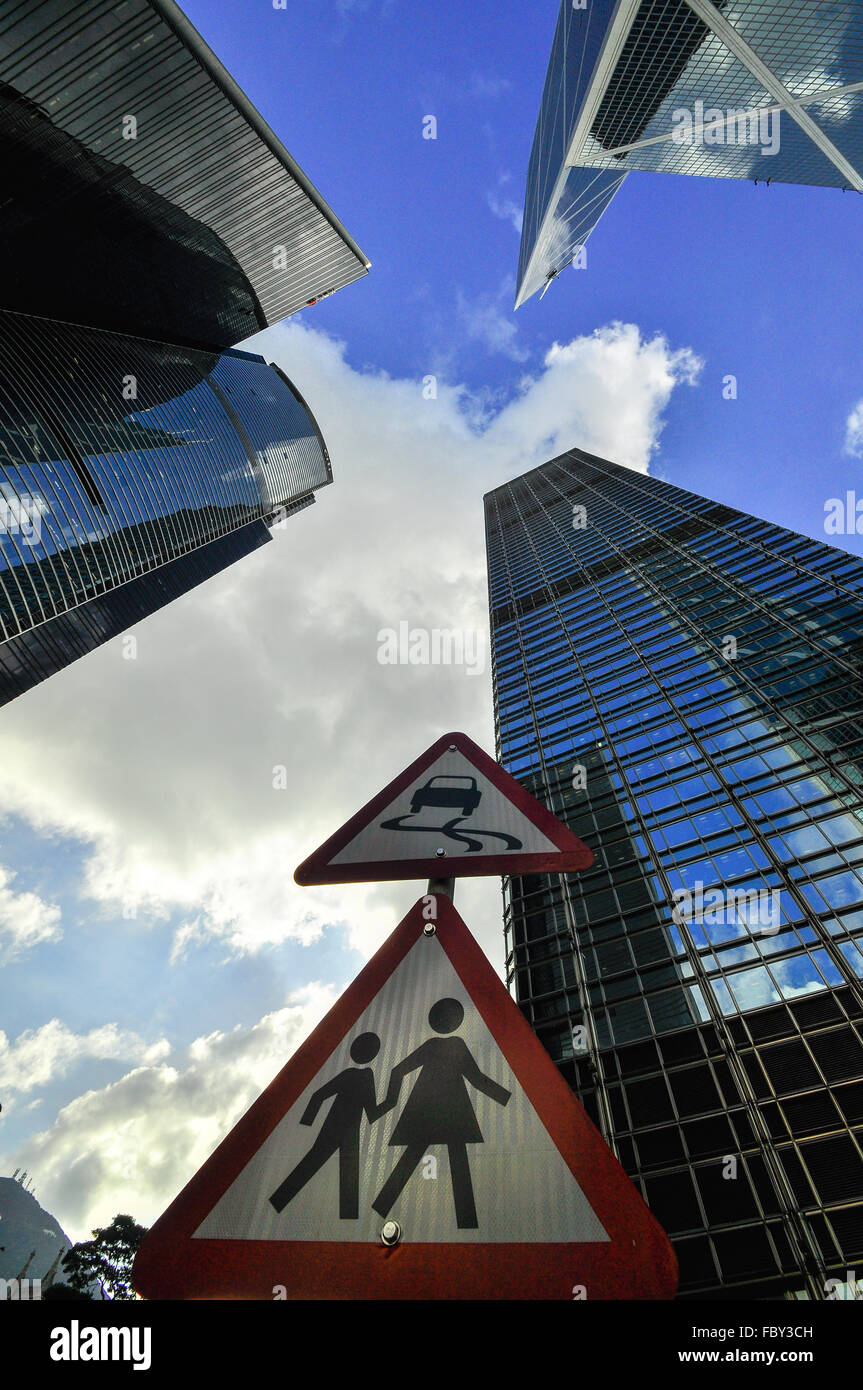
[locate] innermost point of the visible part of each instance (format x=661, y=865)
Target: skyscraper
x=755, y=90
x=151, y=220
x=681, y=683
x=132, y=470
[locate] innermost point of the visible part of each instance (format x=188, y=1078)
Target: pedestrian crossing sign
x=420, y=1144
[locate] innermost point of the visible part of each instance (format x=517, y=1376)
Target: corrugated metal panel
x=199, y=145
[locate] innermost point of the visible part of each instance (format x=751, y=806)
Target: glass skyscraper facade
x=125, y=459
x=151, y=220
x=747, y=89
x=681, y=683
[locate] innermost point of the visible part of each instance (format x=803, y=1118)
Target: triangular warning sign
x=422, y=1112
x=453, y=812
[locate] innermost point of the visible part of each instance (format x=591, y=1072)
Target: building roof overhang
x=145, y=193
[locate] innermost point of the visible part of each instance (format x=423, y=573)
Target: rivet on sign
x=452, y=748
x=391, y=1233
x=440, y=853
x=429, y=929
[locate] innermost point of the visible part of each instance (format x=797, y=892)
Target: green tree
x=107, y=1258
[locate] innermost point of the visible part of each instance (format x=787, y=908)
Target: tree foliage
x=107, y=1258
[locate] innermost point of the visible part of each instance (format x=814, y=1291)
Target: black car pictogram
x=459, y=792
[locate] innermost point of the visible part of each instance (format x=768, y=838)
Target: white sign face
x=416, y=1117
x=452, y=806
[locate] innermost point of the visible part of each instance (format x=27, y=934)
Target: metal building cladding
x=621, y=71
x=151, y=221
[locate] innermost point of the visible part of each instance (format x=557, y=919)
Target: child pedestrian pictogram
x=354, y=1092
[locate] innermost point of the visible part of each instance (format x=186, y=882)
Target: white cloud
x=485, y=320
x=605, y=392
x=132, y=1145
x=482, y=85
x=25, y=919
x=166, y=771
x=854, y=431
x=48, y=1053
x=344, y=8
x=504, y=207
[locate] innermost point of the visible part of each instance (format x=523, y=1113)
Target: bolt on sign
x=420, y=1144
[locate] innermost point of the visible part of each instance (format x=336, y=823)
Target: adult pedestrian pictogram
x=439, y=1111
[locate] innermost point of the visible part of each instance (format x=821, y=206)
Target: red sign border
x=570, y=856
x=636, y=1263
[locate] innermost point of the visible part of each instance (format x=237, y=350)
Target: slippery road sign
x=453, y=812
x=420, y=1144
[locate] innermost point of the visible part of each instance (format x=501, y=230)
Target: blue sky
x=762, y=282
x=145, y=788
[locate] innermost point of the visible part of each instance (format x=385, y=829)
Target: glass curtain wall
x=680, y=682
